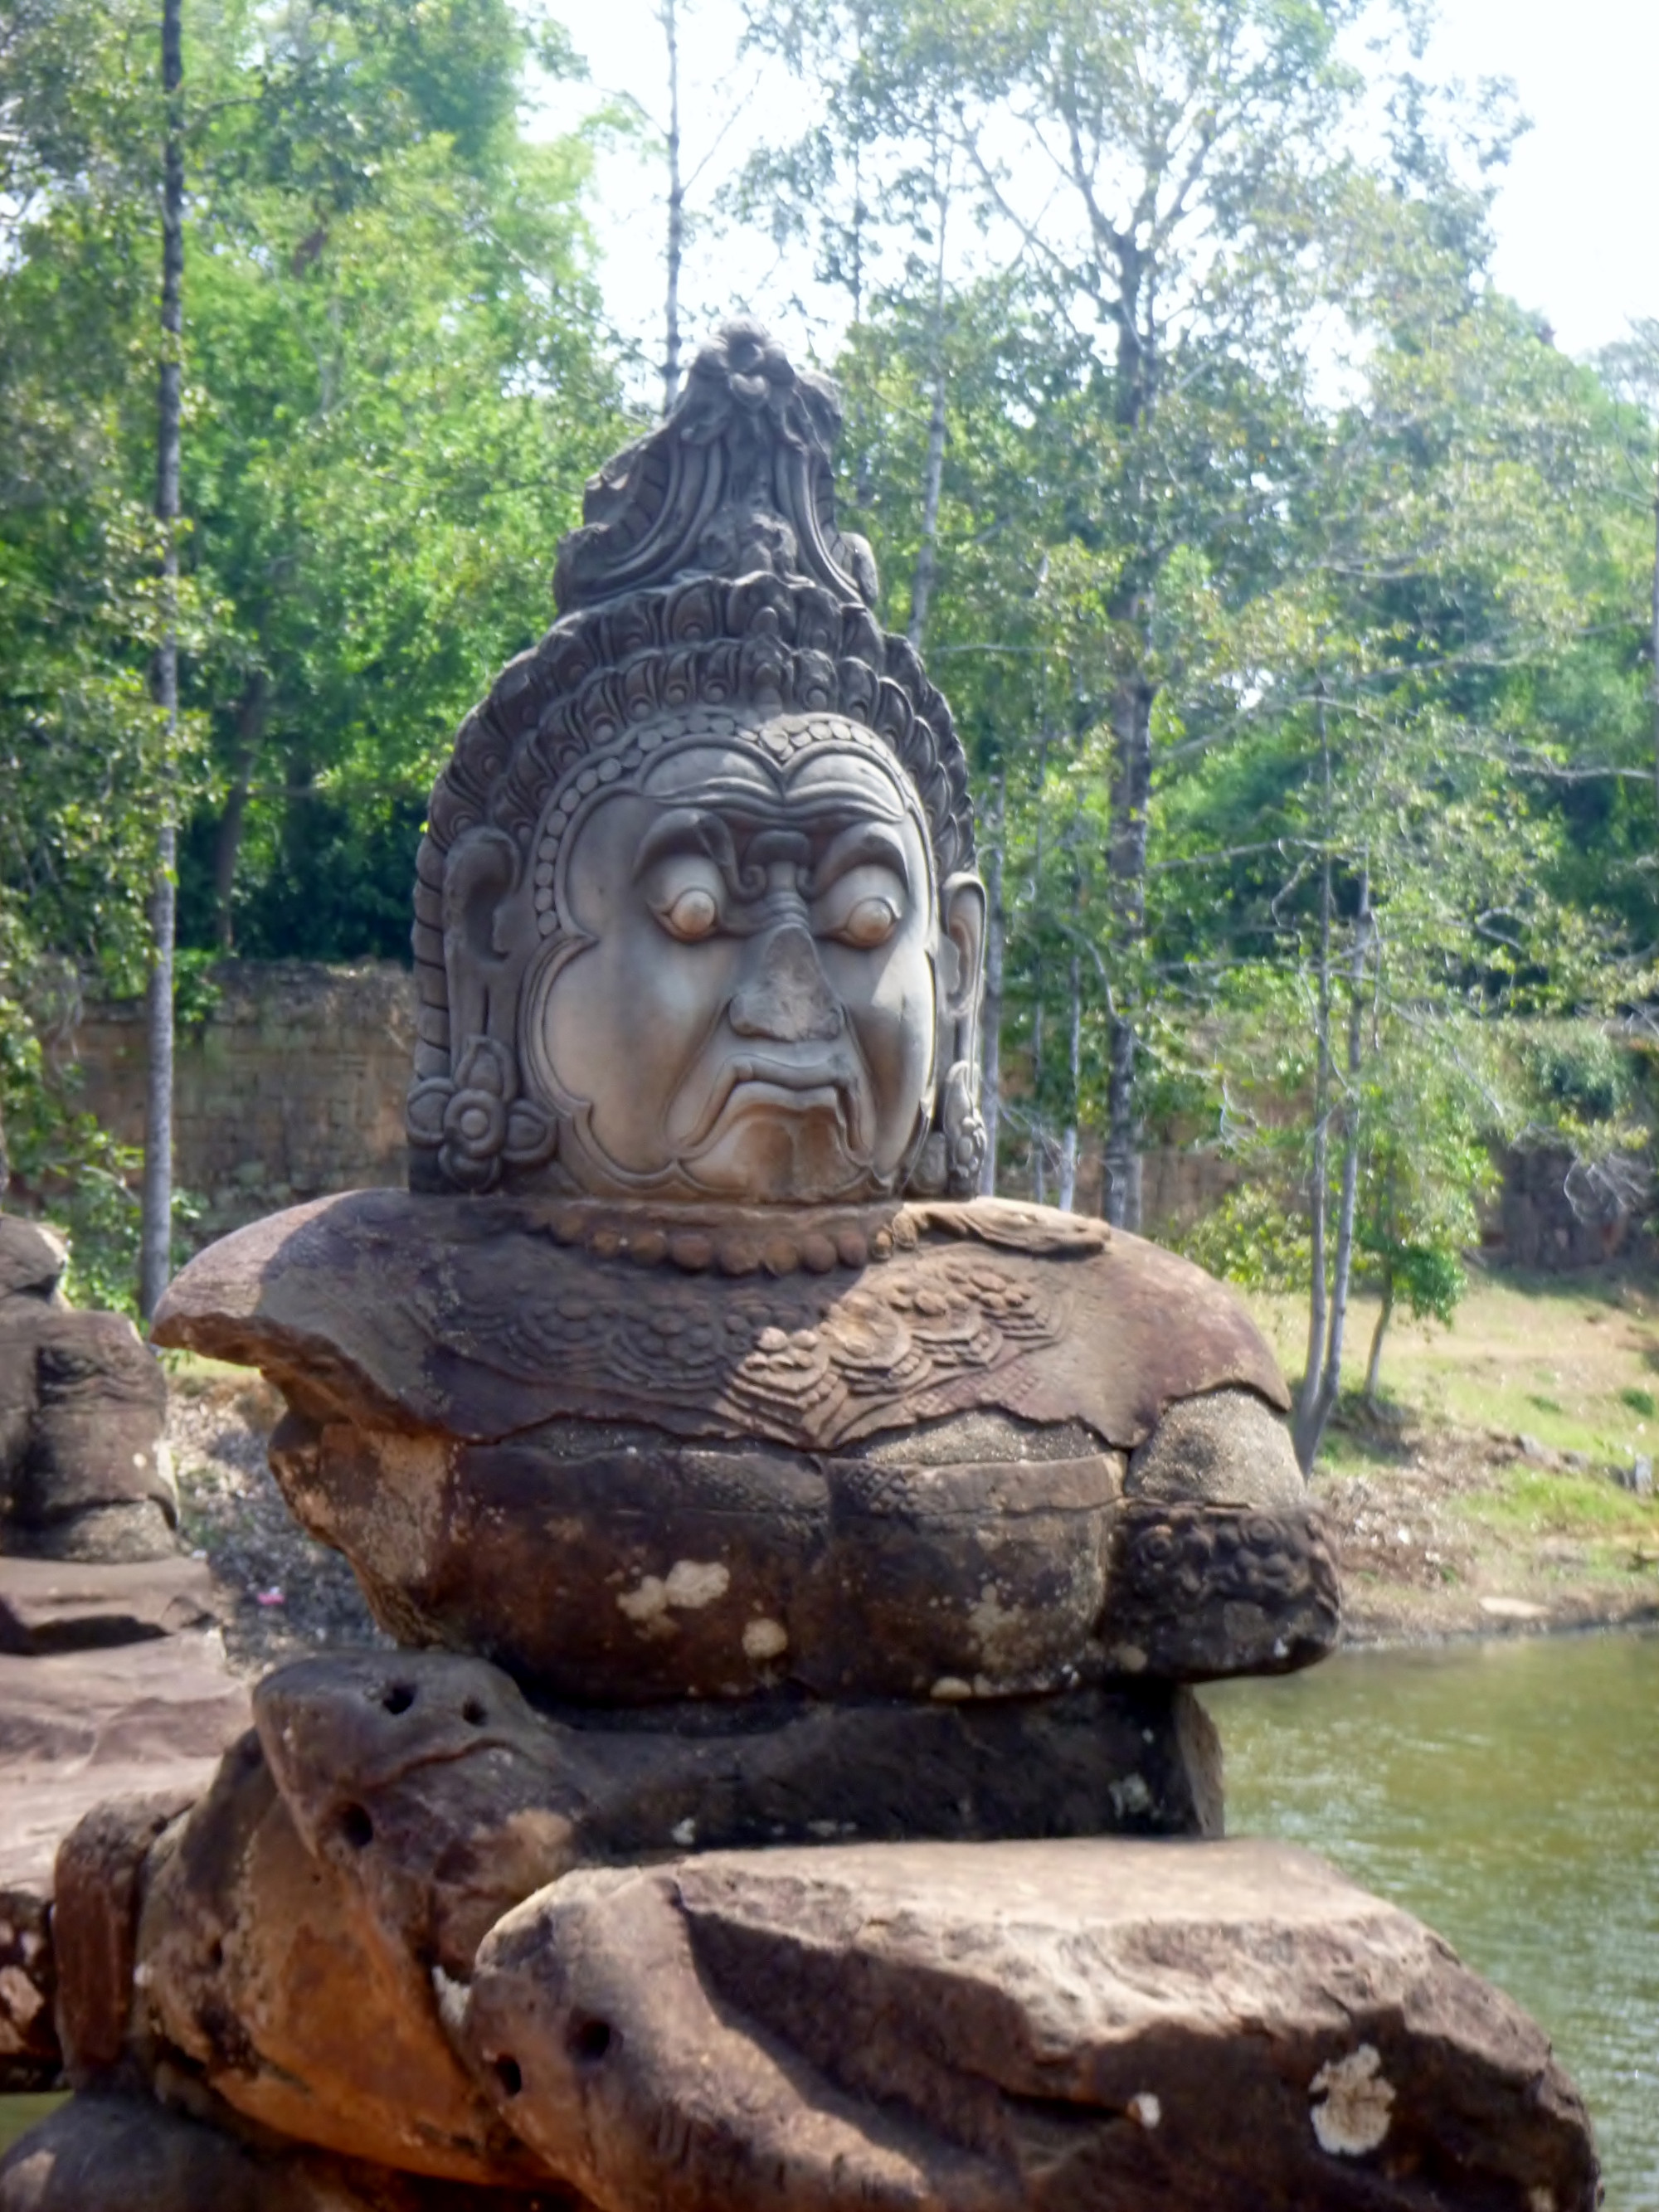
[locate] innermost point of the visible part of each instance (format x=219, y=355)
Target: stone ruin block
x=85, y=1471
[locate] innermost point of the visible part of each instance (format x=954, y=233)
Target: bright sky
x=1577, y=216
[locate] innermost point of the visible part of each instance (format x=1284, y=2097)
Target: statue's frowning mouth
x=750, y=1082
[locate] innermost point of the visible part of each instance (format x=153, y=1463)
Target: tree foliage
x=394, y=386
x=1291, y=589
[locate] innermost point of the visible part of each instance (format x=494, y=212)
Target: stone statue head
x=696, y=918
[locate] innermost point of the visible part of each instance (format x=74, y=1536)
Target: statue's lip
x=834, y=1073
x=790, y=1074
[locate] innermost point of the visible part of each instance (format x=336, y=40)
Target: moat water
x=1508, y=1793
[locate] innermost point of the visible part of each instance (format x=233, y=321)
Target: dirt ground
x=282, y=1593
x=1448, y=1533
x=1445, y=1529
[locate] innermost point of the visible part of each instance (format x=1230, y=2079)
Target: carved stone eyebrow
x=706, y=834
x=862, y=842
x=688, y=830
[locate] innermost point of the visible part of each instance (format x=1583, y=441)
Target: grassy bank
x=1485, y=1496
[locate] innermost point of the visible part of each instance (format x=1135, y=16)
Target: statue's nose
x=786, y=995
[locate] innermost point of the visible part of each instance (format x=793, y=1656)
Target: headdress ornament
x=708, y=584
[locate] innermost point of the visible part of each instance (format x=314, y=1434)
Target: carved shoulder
x=479, y=1317
x=1144, y=1329
x=1226, y=1446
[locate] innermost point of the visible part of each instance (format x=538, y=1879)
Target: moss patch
x=1546, y=1503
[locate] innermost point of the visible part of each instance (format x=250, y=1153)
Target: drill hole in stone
x=357, y=1826
x=509, y=2075
x=473, y=1713
x=589, y=2041
x=399, y=1698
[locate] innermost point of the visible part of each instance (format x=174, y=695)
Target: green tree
x=85, y=752
x=1385, y=886
x=1184, y=160
x=391, y=393
x=391, y=389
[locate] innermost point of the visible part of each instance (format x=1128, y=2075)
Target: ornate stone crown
x=709, y=594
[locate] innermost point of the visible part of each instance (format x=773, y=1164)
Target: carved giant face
x=754, y=977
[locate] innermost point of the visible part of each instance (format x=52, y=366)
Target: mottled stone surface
x=83, y=1467
x=72, y=1605
x=300, y=1927
x=98, y=1882
x=33, y=1258
x=29, y=2055
x=1199, y=1591
x=627, y=1480
x=78, y=1728
x=1224, y=1447
x=481, y=1318
x=263, y=1974
x=128, y=2154
x=1073, y=2025
x=105, y=1715
x=470, y=1799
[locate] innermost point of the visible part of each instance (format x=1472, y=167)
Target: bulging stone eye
x=692, y=916
x=870, y=922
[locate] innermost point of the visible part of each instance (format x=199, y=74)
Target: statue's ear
x=481, y=960
x=962, y=903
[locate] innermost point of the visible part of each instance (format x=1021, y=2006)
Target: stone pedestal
x=1163, y=2027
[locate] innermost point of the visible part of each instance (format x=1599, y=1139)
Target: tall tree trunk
x=1308, y=1435
x=1067, y=1192
x=996, y=942
x=156, y=1230
x=1131, y=782
x=856, y=285
x=228, y=843
x=1319, y=1161
x=1040, y=1125
x=671, y=358
x=1374, y=1364
x=1121, y=1160
x=1385, y=1311
x=1133, y=697
x=1653, y=640
x=922, y=589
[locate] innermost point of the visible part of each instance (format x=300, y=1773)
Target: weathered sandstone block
x=98, y=1884
x=75, y=1604
x=33, y=1259
x=77, y=1727
x=128, y=2154
x=1154, y=2028
x=308, y=1929
x=263, y=1974
x=84, y=1472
